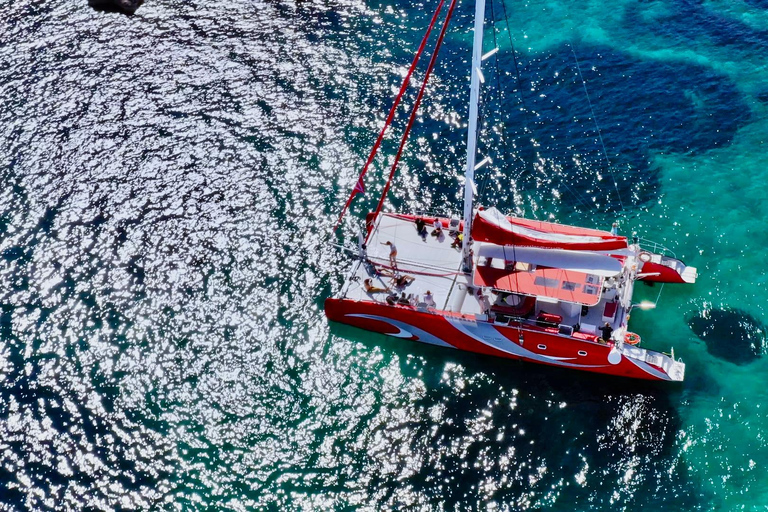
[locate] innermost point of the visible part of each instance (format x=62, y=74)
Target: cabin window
x=582, y=353
x=592, y=279
x=542, y=347
x=570, y=286
x=590, y=290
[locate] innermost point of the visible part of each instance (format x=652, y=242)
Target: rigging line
x=528, y=130
x=359, y=187
x=488, y=93
x=485, y=98
x=519, y=79
x=446, y=273
x=415, y=108
x=502, y=134
x=599, y=132
x=579, y=196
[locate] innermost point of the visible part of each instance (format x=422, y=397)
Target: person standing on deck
x=607, y=331
x=392, y=253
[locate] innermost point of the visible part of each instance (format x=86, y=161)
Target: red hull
x=659, y=273
x=464, y=332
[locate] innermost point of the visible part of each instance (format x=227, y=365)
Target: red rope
x=412, y=118
x=359, y=187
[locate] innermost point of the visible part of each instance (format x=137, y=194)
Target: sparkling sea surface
x=169, y=185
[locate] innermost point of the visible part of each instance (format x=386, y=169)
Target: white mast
x=469, y=183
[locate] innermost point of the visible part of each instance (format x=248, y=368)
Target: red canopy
x=564, y=285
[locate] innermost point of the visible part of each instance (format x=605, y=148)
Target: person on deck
x=607, y=331
x=429, y=299
x=403, y=280
x=438, y=228
x=421, y=228
x=392, y=253
x=482, y=299
x=403, y=300
x=457, y=241
x=369, y=288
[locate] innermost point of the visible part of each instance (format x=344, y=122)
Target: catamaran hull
x=508, y=341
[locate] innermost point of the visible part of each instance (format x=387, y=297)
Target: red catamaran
x=503, y=286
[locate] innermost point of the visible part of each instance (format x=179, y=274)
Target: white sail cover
x=494, y=216
x=577, y=261
x=492, y=227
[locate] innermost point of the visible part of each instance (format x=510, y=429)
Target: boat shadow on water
x=521, y=424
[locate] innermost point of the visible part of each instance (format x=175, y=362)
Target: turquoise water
x=170, y=182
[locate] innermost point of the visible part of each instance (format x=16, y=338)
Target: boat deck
x=433, y=264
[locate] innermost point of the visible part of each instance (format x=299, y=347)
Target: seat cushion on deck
x=610, y=310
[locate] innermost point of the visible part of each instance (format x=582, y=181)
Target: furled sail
x=493, y=227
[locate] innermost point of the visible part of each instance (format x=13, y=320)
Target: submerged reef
x=730, y=334
x=124, y=6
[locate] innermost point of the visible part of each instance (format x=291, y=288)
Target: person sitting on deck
x=392, y=299
x=403, y=300
x=402, y=281
x=429, y=300
x=482, y=299
x=457, y=241
x=607, y=331
x=385, y=272
x=438, y=228
x=369, y=288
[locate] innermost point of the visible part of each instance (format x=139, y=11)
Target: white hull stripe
x=559, y=358
x=487, y=335
x=649, y=369
x=406, y=330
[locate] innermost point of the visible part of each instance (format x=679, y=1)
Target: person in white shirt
x=438, y=228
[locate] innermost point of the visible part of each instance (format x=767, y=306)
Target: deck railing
x=655, y=247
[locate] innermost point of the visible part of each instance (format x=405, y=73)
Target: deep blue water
x=170, y=181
